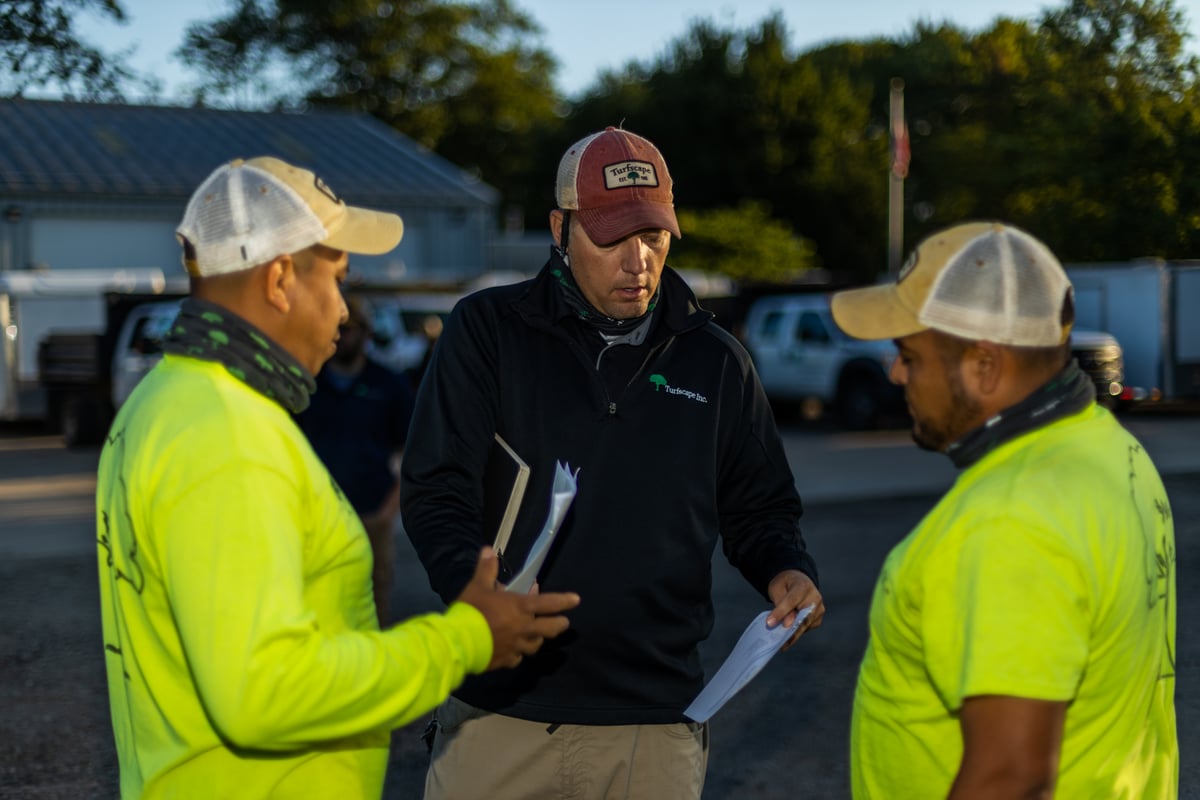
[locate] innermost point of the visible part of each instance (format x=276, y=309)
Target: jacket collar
x=543, y=303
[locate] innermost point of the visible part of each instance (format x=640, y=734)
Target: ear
x=985, y=364
x=556, y=222
x=277, y=280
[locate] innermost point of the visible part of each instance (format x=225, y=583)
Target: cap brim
x=874, y=312
x=613, y=223
x=367, y=232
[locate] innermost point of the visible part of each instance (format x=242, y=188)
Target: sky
x=588, y=37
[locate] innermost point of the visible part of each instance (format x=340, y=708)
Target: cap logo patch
x=325, y=190
x=628, y=174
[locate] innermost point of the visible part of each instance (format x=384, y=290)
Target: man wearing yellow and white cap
x=1022, y=637
x=243, y=654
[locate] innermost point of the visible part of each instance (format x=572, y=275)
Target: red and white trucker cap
x=616, y=183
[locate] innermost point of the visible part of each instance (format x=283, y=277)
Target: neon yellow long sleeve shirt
x=243, y=655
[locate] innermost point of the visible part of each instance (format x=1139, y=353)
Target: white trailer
x=35, y=303
x=1153, y=308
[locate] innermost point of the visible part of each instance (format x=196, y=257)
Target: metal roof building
x=85, y=185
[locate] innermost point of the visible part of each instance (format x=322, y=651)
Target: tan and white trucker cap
x=250, y=212
x=983, y=281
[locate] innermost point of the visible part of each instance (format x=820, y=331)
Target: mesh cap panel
x=567, y=187
x=1003, y=286
x=250, y=212
x=225, y=234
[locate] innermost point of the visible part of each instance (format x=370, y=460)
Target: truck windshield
x=149, y=333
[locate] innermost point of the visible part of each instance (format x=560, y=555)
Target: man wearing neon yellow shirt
x=1022, y=637
x=244, y=658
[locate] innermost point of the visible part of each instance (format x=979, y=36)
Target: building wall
x=441, y=243
x=89, y=235
x=73, y=243
x=524, y=252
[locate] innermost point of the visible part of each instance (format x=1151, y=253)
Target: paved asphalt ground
x=784, y=736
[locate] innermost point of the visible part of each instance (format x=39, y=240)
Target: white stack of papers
x=561, y=495
x=758, y=645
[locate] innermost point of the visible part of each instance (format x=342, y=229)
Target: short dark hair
x=303, y=259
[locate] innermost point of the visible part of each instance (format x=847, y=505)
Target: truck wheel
x=859, y=403
x=80, y=421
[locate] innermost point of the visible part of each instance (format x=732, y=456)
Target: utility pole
x=896, y=175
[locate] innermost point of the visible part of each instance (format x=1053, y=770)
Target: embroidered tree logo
x=633, y=175
x=658, y=380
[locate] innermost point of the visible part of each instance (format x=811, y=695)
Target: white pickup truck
x=86, y=377
x=37, y=304
x=804, y=359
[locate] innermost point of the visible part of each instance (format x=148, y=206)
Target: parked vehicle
x=398, y=339
x=139, y=346
x=35, y=304
x=804, y=359
x=86, y=376
x=1151, y=307
x=1099, y=355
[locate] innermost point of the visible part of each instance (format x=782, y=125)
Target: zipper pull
x=612, y=409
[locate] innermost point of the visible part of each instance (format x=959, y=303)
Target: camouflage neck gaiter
x=212, y=333
x=589, y=313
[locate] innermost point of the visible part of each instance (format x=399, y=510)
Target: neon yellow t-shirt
x=1046, y=572
x=243, y=655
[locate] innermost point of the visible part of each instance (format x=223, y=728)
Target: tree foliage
x=745, y=243
x=42, y=50
x=1070, y=127
x=739, y=117
x=461, y=78
x=1080, y=126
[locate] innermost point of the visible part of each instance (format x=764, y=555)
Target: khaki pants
x=478, y=755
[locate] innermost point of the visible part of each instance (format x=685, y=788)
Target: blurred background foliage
x=1081, y=126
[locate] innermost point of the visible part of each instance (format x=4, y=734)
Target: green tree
x=745, y=243
x=1136, y=89
x=1075, y=127
x=462, y=78
x=1071, y=128
x=42, y=50
x=738, y=118
x=1082, y=126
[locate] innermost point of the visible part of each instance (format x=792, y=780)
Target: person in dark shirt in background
x=431, y=329
x=357, y=422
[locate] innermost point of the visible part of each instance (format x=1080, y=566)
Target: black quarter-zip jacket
x=676, y=448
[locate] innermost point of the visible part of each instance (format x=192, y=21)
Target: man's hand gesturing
x=519, y=622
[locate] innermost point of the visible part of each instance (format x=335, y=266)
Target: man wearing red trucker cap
x=604, y=361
